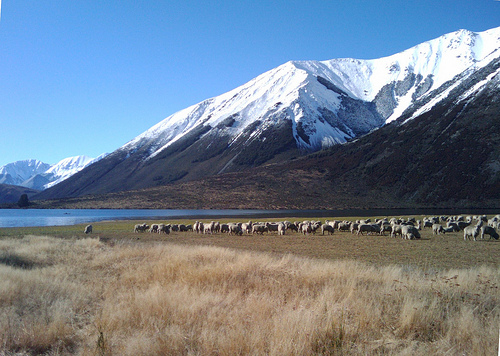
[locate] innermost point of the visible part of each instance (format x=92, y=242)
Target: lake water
x=53, y=217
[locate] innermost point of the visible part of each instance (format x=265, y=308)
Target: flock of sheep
x=472, y=226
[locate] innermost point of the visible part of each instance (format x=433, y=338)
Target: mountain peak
x=35, y=174
x=296, y=108
x=17, y=172
x=314, y=95
x=69, y=164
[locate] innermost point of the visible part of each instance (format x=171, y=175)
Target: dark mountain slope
x=12, y=193
x=448, y=156
x=193, y=157
x=292, y=110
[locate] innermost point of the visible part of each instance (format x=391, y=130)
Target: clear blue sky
x=86, y=76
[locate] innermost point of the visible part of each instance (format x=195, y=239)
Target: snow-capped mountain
x=17, y=172
x=67, y=167
x=331, y=101
x=39, y=176
x=296, y=108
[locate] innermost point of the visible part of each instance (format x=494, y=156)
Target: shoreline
x=12, y=218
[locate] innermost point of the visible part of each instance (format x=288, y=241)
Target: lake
x=53, y=217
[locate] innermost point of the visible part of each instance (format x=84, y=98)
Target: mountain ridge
x=297, y=108
x=38, y=175
x=17, y=172
x=424, y=163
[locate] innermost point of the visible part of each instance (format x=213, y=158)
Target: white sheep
x=281, y=228
x=141, y=227
x=235, y=229
x=409, y=232
x=437, y=229
x=471, y=231
x=396, y=230
x=368, y=228
x=259, y=229
x=164, y=229
x=327, y=227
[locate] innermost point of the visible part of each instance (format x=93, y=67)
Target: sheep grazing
x=224, y=228
x=344, y=226
x=154, y=228
x=327, y=228
x=437, y=229
x=306, y=228
x=272, y=227
x=281, y=229
x=488, y=230
x=368, y=228
x=406, y=228
x=141, y=227
x=88, y=229
x=385, y=227
x=354, y=227
x=409, y=232
x=235, y=229
x=164, y=229
x=259, y=229
x=396, y=230
x=471, y=231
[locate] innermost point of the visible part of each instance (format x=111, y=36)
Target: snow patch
x=294, y=90
x=31, y=173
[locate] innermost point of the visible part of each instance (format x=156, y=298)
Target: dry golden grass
x=156, y=296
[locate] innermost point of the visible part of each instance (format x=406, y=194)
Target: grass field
x=121, y=293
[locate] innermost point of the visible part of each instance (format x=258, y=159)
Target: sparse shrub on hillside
x=23, y=201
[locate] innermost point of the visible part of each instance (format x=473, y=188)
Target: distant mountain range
x=36, y=175
x=17, y=173
x=337, y=106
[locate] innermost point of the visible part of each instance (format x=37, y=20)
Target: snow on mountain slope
x=329, y=101
x=288, y=89
x=250, y=101
x=439, y=60
x=294, y=109
x=68, y=167
x=17, y=172
x=38, y=175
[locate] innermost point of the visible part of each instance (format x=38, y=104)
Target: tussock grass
x=82, y=296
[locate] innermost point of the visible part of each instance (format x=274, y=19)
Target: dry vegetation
x=183, y=294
